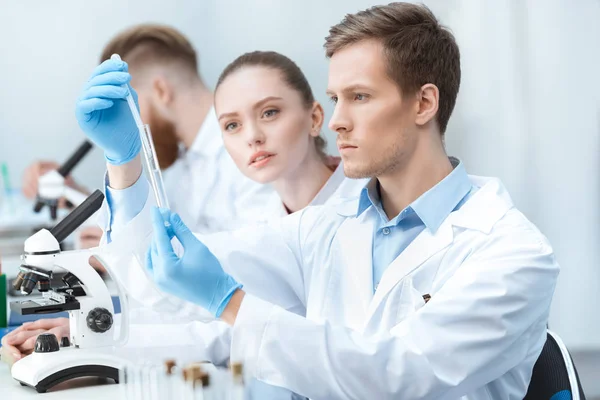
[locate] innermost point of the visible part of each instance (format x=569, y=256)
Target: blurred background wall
x=528, y=111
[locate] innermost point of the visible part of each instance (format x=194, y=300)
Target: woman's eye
x=359, y=97
x=230, y=126
x=270, y=113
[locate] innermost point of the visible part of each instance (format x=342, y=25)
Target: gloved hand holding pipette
x=108, y=113
x=104, y=115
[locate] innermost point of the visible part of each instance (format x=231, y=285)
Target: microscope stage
x=42, y=305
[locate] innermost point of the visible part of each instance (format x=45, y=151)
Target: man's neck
x=192, y=108
x=299, y=188
x=428, y=166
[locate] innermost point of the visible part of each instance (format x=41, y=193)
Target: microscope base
x=100, y=371
x=42, y=371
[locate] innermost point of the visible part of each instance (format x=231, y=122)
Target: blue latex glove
x=197, y=276
x=103, y=114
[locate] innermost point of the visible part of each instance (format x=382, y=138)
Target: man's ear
x=162, y=90
x=428, y=103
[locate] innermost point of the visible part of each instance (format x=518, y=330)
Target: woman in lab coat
x=271, y=127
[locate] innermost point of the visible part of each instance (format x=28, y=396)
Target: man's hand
x=21, y=341
x=233, y=307
x=32, y=174
x=197, y=276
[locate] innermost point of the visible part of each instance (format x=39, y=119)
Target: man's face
x=163, y=130
x=375, y=123
x=143, y=89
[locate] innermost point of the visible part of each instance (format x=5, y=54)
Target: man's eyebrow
x=350, y=89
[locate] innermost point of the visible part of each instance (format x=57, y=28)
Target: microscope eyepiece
x=78, y=216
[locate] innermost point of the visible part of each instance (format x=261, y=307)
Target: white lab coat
x=490, y=274
x=166, y=313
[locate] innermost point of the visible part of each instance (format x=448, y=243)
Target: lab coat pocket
x=402, y=301
x=410, y=300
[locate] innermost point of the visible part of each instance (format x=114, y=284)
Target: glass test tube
x=237, y=377
x=171, y=372
x=123, y=381
x=152, y=166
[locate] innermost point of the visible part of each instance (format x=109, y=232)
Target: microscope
x=92, y=347
x=52, y=187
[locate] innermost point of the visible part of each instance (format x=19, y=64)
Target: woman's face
x=267, y=129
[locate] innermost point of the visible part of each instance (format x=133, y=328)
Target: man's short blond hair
x=149, y=44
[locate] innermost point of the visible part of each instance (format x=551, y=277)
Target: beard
x=384, y=162
x=164, y=138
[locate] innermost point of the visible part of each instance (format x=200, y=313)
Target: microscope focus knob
x=65, y=342
x=46, y=343
x=99, y=320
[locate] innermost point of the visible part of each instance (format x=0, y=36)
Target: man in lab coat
x=428, y=285
x=202, y=182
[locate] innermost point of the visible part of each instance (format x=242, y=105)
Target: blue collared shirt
x=124, y=204
x=392, y=237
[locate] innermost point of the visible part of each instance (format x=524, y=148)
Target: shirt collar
x=369, y=196
x=208, y=141
x=433, y=206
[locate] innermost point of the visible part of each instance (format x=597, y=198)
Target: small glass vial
x=202, y=387
x=237, y=387
x=170, y=389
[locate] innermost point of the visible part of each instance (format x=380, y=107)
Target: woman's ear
x=318, y=117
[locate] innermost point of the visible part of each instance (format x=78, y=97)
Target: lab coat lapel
x=356, y=277
x=418, y=251
x=480, y=212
